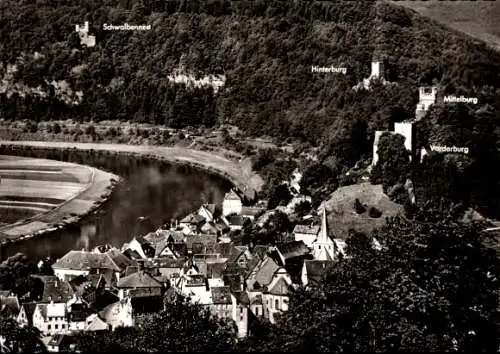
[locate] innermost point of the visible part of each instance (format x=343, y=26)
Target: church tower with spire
x=323, y=246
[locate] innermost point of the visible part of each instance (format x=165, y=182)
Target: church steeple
x=323, y=247
x=323, y=233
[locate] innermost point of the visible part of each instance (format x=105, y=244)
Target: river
x=152, y=193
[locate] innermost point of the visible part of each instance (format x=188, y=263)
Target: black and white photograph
x=249, y=176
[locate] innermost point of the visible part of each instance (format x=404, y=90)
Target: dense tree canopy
x=15, y=272
x=265, y=49
x=181, y=326
x=432, y=288
x=15, y=339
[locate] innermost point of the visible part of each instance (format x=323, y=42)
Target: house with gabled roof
x=232, y=203
x=306, y=233
x=209, y=212
x=139, y=284
x=51, y=318
x=273, y=283
x=191, y=223
x=75, y=263
x=25, y=316
x=95, y=323
x=55, y=289
x=264, y=273
x=141, y=246
x=277, y=296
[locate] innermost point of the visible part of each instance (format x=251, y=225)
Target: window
x=48, y=327
x=56, y=326
x=276, y=304
x=63, y=326
x=256, y=311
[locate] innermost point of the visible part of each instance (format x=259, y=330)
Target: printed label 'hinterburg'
x=328, y=69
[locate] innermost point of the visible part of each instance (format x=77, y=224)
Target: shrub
x=56, y=128
x=374, y=213
x=360, y=209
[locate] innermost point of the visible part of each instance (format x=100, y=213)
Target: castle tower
x=378, y=134
x=83, y=33
x=378, y=67
x=427, y=97
x=406, y=130
x=84, y=28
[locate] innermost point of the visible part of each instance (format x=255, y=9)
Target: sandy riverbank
x=57, y=193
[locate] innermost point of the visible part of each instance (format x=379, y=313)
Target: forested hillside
x=264, y=49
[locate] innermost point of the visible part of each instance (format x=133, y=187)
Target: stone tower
x=427, y=97
x=406, y=130
x=378, y=67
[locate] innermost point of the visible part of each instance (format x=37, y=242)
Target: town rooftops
x=200, y=239
x=131, y=254
x=193, y=219
x=119, y=259
x=165, y=263
x=266, y=271
x=55, y=289
x=211, y=208
x=83, y=260
x=306, y=229
x=139, y=279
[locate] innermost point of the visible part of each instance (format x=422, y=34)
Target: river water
x=152, y=193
